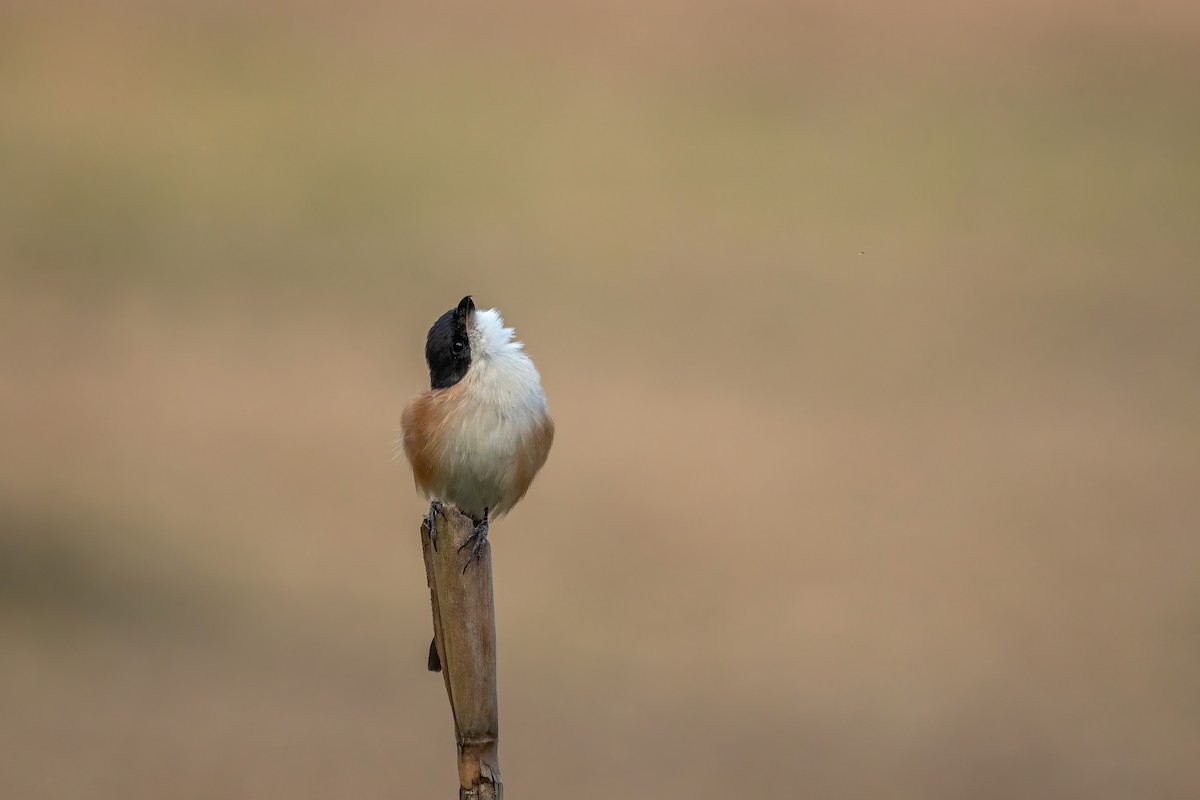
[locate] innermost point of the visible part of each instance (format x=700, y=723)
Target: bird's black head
x=448, y=348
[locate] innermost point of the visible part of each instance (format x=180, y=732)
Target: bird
x=482, y=430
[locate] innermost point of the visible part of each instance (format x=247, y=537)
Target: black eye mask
x=448, y=347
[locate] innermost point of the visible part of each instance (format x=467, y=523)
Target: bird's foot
x=435, y=508
x=477, y=541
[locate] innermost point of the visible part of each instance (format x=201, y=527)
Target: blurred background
x=871, y=334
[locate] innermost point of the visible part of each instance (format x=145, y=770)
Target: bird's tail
x=435, y=663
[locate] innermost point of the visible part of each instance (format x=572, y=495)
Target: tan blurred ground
x=871, y=336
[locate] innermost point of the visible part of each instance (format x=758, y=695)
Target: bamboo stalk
x=464, y=625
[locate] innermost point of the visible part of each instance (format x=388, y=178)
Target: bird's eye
x=459, y=344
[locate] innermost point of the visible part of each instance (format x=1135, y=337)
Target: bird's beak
x=466, y=310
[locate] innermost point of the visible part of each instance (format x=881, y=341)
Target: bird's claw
x=477, y=541
x=435, y=508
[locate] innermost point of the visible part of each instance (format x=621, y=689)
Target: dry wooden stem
x=464, y=626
